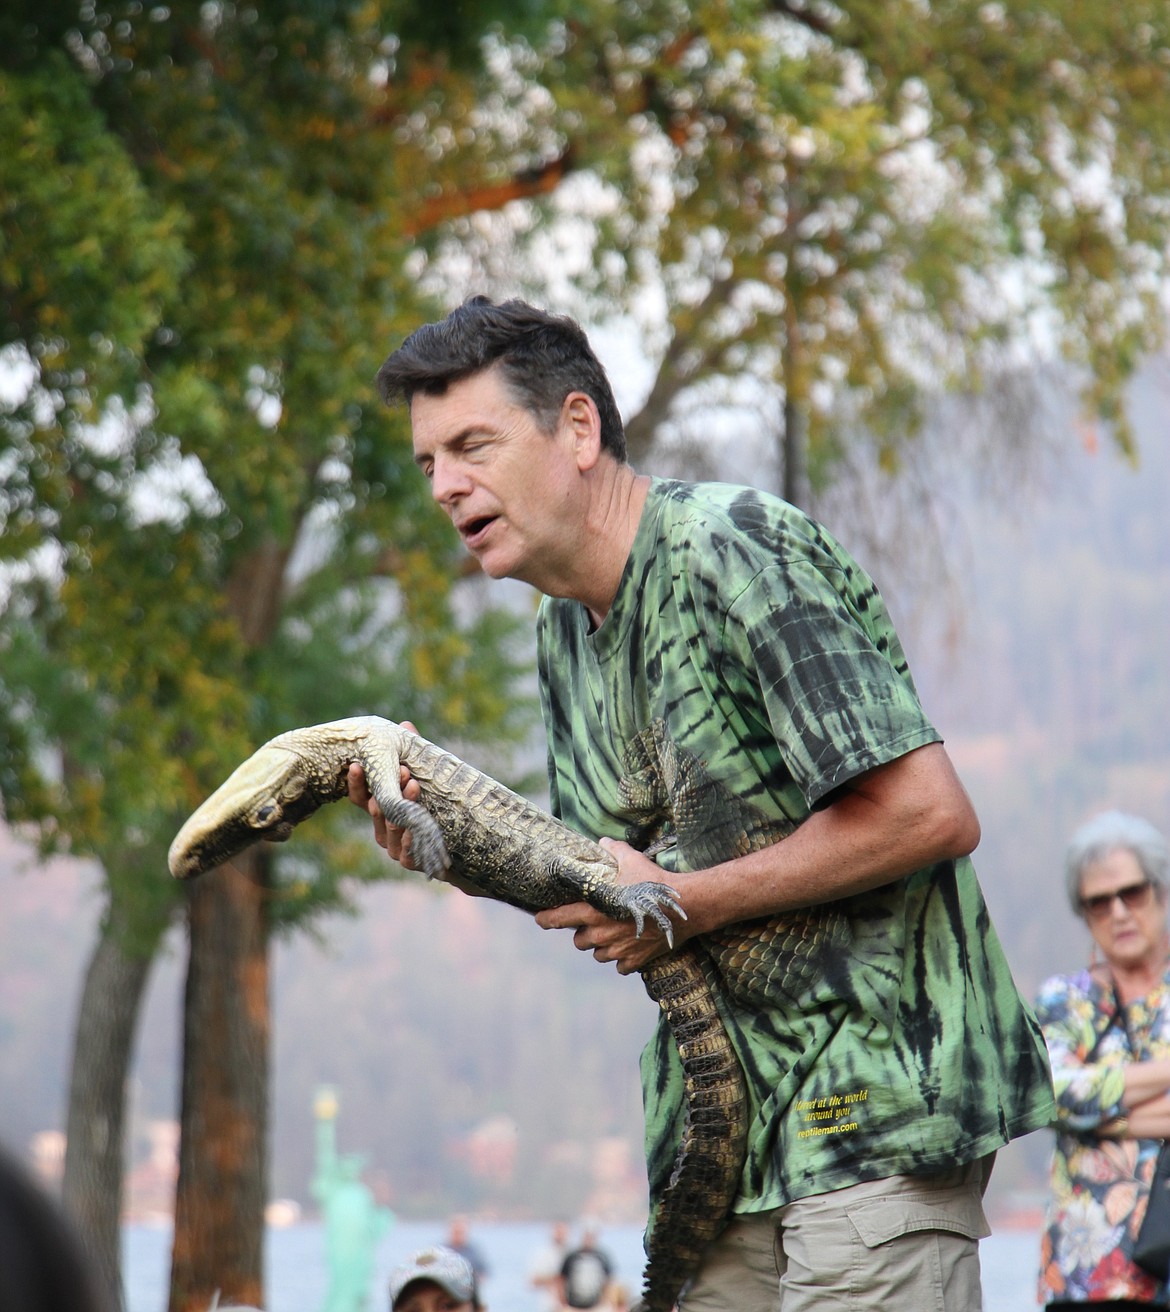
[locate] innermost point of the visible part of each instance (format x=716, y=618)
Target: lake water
x=296, y=1279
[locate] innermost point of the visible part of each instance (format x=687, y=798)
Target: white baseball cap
x=441, y=1265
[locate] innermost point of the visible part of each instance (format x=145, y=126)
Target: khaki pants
x=909, y=1242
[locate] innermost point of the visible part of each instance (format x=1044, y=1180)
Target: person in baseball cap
x=435, y=1279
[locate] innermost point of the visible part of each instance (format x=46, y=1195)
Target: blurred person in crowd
x=1107, y=1026
x=435, y=1279
x=544, y=1271
x=619, y=1297
x=459, y=1241
x=43, y=1266
x=586, y=1272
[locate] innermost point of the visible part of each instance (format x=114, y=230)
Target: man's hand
x=396, y=841
x=616, y=940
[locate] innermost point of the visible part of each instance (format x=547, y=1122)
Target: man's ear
x=583, y=420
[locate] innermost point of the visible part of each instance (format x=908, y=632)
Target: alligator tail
x=695, y=1205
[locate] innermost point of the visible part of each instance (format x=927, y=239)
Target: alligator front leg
x=639, y=902
x=428, y=851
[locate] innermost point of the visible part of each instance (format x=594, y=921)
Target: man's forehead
x=484, y=394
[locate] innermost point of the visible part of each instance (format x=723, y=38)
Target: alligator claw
x=652, y=900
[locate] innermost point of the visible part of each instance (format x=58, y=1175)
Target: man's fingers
x=398, y=845
x=355, y=783
x=593, y=930
x=608, y=940
x=381, y=829
x=574, y=915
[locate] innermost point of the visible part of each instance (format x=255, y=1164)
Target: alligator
x=469, y=826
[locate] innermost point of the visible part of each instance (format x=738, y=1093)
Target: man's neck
x=610, y=529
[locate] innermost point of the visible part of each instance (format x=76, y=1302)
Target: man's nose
x=448, y=481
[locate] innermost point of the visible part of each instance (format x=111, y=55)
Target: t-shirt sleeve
x=830, y=680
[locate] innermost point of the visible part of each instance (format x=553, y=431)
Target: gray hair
x=1113, y=831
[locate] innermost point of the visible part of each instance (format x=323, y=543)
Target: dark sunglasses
x=1133, y=895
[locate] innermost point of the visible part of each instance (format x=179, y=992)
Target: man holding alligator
x=726, y=700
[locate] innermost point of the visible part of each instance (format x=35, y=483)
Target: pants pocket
x=880, y=1220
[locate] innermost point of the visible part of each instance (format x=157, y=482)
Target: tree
x=209, y=524
x=822, y=215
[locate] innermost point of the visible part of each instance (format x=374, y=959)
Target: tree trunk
x=223, y=1154
x=795, y=440
x=108, y=1012
x=796, y=489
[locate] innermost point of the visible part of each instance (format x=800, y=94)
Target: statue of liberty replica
x=353, y=1222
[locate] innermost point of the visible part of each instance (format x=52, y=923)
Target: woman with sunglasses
x=1108, y=1032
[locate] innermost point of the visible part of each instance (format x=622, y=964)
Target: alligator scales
x=472, y=826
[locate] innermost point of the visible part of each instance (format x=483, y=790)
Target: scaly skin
x=471, y=826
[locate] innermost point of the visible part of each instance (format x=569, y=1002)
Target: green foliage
x=863, y=204
x=88, y=258
x=85, y=250
x=212, y=528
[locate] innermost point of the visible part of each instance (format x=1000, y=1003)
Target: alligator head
x=265, y=798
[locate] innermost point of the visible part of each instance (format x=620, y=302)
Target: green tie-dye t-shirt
x=746, y=670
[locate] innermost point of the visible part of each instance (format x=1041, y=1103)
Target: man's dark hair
x=542, y=357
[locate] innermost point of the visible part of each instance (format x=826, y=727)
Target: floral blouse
x=1100, y=1181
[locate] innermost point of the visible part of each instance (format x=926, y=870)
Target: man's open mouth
x=472, y=530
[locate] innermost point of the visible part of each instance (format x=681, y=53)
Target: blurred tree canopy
x=852, y=206
x=211, y=529
x=216, y=218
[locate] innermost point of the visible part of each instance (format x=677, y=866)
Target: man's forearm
x=901, y=817
x=892, y=821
